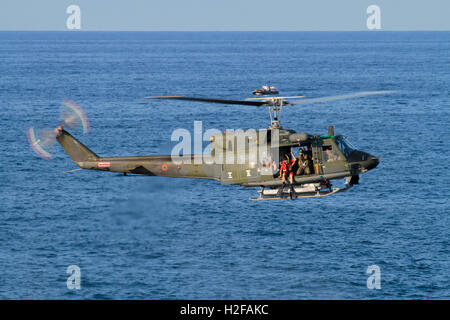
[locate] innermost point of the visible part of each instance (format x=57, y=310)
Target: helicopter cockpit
x=336, y=148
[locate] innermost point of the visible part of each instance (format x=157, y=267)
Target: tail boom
x=146, y=165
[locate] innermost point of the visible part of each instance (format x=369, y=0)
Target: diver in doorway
x=287, y=169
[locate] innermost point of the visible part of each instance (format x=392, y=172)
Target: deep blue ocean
x=139, y=237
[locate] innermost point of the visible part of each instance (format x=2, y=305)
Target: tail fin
x=77, y=151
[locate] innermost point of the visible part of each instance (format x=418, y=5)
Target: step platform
x=312, y=190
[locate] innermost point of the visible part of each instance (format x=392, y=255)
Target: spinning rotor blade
x=213, y=100
x=42, y=140
x=73, y=116
x=342, y=97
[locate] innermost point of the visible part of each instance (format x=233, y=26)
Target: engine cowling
x=299, y=137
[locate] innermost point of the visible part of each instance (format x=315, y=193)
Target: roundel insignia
x=164, y=167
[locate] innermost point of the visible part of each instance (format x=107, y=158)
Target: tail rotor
x=42, y=140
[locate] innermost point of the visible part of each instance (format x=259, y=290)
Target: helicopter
x=329, y=156
x=265, y=90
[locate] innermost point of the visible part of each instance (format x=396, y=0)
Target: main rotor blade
x=342, y=97
x=213, y=100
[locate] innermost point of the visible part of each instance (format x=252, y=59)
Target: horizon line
x=362, y=30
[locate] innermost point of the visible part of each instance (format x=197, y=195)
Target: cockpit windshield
x=345, y=146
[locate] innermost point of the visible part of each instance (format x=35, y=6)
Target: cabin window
x=330, y=154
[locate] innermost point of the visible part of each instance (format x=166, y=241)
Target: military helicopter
x=329, y=156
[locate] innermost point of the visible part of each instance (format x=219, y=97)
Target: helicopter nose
x=371, y=162
x=363, y=160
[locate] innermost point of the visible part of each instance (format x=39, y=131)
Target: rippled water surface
x=154, y=238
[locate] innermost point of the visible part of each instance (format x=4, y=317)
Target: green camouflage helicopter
x=325, y=157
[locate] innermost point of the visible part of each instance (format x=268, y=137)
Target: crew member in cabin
x=283, y=170
x=287, y=168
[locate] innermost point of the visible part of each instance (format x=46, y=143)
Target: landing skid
x=302, y=191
